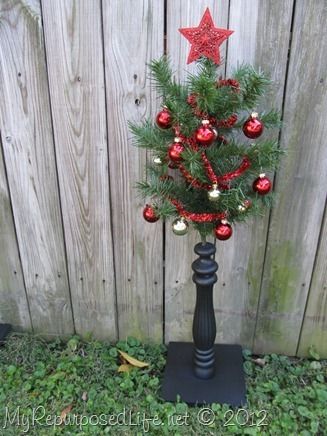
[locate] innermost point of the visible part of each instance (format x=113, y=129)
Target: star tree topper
x=205, y=39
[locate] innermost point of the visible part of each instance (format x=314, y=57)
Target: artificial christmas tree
x=206, y=173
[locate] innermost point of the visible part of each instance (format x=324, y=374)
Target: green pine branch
x=219, y=102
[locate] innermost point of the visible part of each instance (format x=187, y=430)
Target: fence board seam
x=56, y=169
x=164, y=226
x=312, y=276
x=109, y=175
x=227, y=43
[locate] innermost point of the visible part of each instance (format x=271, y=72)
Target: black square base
x=227, y=386
x=4, y=330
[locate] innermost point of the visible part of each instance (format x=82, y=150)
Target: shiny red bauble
x=149, y=214
x=223, y=231
x=163, y=119
x=262, y=185
x=174, y=152
x=253, y=127
x=205, y=134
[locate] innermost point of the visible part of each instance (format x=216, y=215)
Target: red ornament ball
x=223, y=230
x=174, y=152
x=262, y=185
x=163, y=119
x=205, y=135
x=149, y=214
x=253, y=127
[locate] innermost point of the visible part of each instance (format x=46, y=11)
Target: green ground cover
x=78, y=382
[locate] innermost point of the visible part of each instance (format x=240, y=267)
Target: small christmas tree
x=201, y=133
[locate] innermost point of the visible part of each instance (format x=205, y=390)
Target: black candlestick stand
x=204, y=373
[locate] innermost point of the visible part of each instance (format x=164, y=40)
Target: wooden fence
x=76, y=254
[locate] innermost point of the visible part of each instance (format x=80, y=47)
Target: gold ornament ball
x=214, y=193
x=157, y=160
x=241, y=208
x=180, y=226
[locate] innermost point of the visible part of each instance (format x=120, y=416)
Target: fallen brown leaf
x=65, y=412
x=259, y=361
x=132, y=361
x=125, y=367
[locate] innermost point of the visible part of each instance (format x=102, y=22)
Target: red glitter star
x=205, y=39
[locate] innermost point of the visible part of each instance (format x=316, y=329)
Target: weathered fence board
x=133, y=32
x=30, y=162
x=254, y=42
x=78, y=254
x=314, y=328
x=13, y=301
x=179, y=288
x=300, y=185
x=76, y=77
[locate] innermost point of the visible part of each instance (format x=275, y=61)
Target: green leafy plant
x=80, y=378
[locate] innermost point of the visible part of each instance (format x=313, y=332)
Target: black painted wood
x=4, y=330
x=204, y=373
x=204, y=322
x=227, y=386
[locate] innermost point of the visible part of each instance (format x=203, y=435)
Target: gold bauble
x=241, y=208
x=214, y=193
x=157, y=160
x=180, y=226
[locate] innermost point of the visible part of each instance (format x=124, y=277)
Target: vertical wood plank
x=314, y=328
x=76, y=78
x=13, y=301
x=261, y=38
x=28, y=152
x=300, y=184
x=180, y=290
x=133, y=35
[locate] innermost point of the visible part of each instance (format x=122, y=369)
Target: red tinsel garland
x=222, y=139
x=192, y=180
x=186, y=140
x=233, y=174
x=224, y=124
x=234, y=84
x=228, y=176
x=227, y=123
x=198, y=217
x=196, y=183
x=191, y=100
x=207, y=166
x=222, y=181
